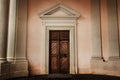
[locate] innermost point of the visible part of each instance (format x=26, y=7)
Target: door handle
x=63, y=55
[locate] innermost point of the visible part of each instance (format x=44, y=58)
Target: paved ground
x=68, y=77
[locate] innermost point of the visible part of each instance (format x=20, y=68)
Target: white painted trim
x=72, y=51
x=11, y=30
x=60, y=23
x=67, y=10
x=54, y=25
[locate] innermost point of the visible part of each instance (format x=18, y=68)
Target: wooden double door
x=59, y=51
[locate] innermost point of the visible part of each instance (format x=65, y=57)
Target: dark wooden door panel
x=64, y=35
x=59, y=52
x=54, y=66
x=64, y=65
x=54, y=47
x=64, y=56
x=54, y=35
x=64, y=47
x=54, y=56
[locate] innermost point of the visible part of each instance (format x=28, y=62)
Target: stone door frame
x=72, y=48
x=66, y=21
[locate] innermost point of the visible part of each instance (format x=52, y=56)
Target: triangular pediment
x=59, y=13
x=59, y=10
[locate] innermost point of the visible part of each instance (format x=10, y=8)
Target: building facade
x=59, y=36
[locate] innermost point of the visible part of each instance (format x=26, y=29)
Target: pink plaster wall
x=35, y=31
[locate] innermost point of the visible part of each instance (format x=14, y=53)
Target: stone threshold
x=68, y=77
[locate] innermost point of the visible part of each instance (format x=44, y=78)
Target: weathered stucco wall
x=109, y=40
x=35, y=31
x=92, y=41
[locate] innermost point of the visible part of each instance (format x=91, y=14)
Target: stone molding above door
x=60, y=17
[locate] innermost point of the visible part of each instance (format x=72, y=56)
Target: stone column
x=118, y=7
x=4, y=66
x=21, y=30
x=104, y=30
x=11, y=30
x=17, y=38
x=113, y=29
x=3, y=29
x=96, y=30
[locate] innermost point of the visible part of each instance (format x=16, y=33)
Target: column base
x=18, y=68
x=4, y=70
x=111, y=67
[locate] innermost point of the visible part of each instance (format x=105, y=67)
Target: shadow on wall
x=68, y=77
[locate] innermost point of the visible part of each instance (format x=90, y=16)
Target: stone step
x=68, y=77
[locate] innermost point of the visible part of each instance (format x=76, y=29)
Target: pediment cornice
x=59, y=11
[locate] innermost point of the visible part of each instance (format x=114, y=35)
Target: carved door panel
x=59, y=52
